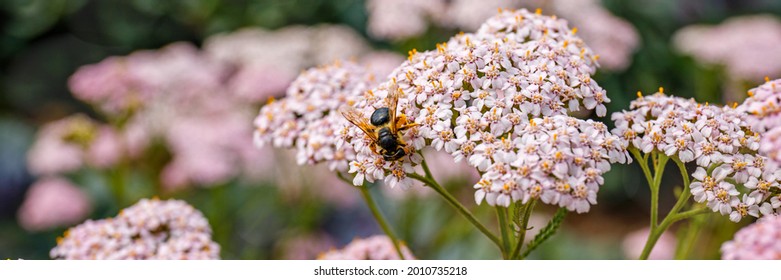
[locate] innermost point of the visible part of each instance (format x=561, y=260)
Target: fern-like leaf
x=546, y=232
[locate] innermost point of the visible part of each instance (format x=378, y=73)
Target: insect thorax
x=380, y=116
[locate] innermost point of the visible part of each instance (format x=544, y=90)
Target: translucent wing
x=393, y=100
x=353, y=116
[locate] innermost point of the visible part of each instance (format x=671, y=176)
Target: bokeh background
x=65, y=159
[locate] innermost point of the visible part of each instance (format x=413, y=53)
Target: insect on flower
x=384, y=127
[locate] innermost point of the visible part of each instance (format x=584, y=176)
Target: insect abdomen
x=386, y=139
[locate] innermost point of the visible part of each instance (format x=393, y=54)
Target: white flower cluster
x=475, y=97
x=307, y=119
x=763, y=108
x=150, y=229
x=718, y=139
x=378, y=247
x=558, y=159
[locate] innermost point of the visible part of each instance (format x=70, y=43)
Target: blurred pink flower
x=121, y=84
x=758, y=241
x=468, y=15
x=258, y=82
x=266, y=62
x=747, y=46
x=136, y=136
x=107, y=84
x=382, y=63
x=197, y=103
x=53, y=153
x=635, y=241
x=612, y=38
x=401, y=19
x=106, y=148
x=150, y=229
x=304, y=246
x=53, y=202
x=378, y=247
x=66, y=145
x=444, y=169
x=204, y=148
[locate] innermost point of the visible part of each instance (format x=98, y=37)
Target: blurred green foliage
x=43, y=41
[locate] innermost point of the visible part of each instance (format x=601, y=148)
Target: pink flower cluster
x=307, y=119
x=53, y=202
x=718, y=139
x=763, y=107
x=758, y=241
x=73, y=142
x=197, y=102
x=150, y=229
x=304, y=246
x=378, y=247
x=747, y=46
x=266, y=61
x=613, y=38
x=477, y=96
x=177, y=95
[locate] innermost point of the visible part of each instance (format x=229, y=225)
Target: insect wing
x=393, y=101
x=353, y=116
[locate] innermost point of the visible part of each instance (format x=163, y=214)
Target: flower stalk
x=378, y=216
x=657, y=229
x=429, y=181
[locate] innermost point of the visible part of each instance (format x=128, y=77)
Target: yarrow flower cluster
x=481, y=97
x=150, y=229
x=378, y=247
x=763, y=107
x=758, y=241
x=308, y=120
x=717, y=139
x=612, y=37
x=559, y=159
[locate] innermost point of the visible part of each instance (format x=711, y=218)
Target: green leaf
x=546, y=232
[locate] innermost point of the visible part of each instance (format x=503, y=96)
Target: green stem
x=686, y=193
x=118, y=184
x=674, y=215
x=524, y=226
x=457, y=205
x=658, y=173
x=367, y=197
x=666, y=223
x=381, y=219
x=643, y=161
x=503, y=227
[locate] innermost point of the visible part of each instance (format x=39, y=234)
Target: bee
x=383, y=127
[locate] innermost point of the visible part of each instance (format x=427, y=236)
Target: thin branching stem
x=429, y=181
x=384, y=225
